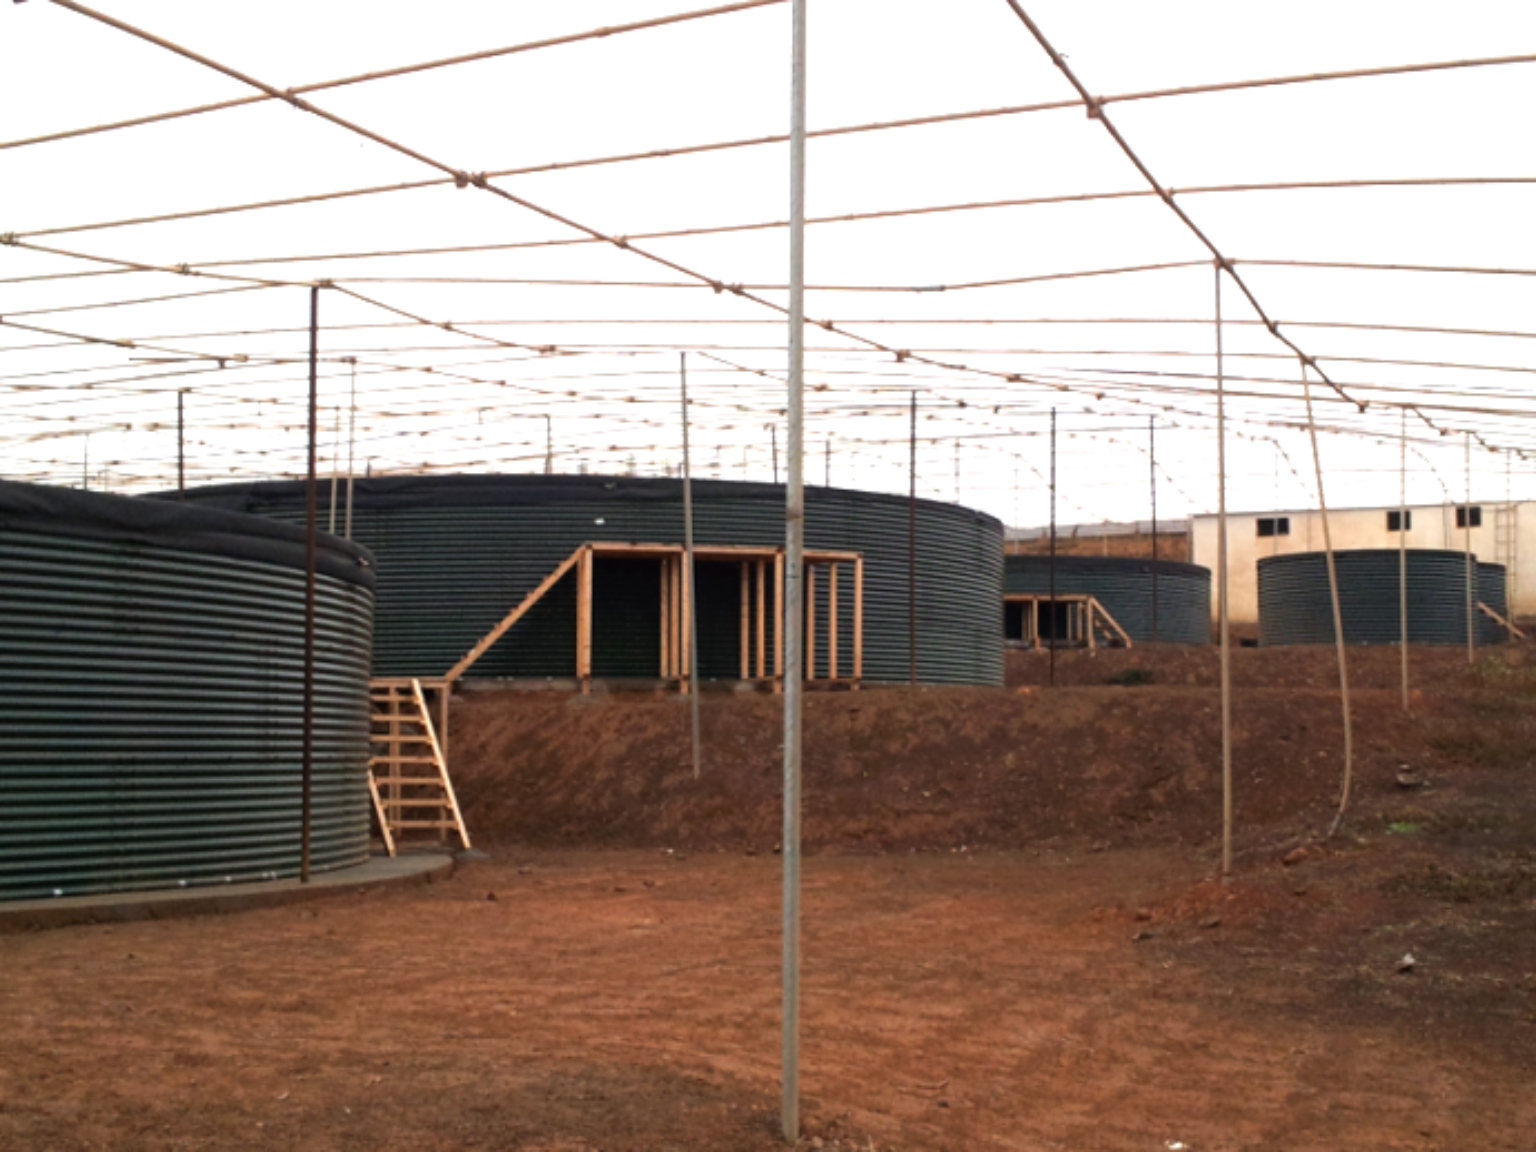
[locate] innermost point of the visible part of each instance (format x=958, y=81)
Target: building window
x=1399, y=521
x=1274, y=525
x=1473, y=511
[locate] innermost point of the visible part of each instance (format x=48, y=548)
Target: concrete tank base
x=121, y=907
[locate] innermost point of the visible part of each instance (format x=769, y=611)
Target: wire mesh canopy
x=521, y=214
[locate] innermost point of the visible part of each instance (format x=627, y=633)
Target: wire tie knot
x=461, y=179
x=184, y=269
x=901, y=357
x=8, y=239
x=1095, y=107
x=621, y=241
x=717, y=286
x=479, y=180
x=829, y=326
x=736, y=289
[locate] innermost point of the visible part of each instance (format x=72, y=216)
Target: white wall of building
x=1506, y=536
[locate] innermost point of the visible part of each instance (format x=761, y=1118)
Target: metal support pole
x=85, y=464
x=1466, y=520
x=957, y=469
x=1338, y=614
x=912, y=548
x=1223, y=625
x=181, y=445
x=773, y=439
x=335, y=471
x=688, y=572
x=351, y=445
x=794, y=549
x=1402, y=549
x=549, y=444
x=1152, y=469
x=307, y=781
x=1051, y=615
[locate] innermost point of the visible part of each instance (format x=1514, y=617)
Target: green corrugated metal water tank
x=456, y=553
x=151, y=696
x=1125, y=586
x=1295, y=606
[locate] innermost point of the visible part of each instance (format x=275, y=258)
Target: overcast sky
x=610, y=395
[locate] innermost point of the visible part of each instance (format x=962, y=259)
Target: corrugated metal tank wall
x=456, y=553
x=1124, y=586
x=151, y=696
x=1295, y=606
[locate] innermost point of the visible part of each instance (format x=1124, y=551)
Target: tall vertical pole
x=828, y=478
x=957, y=469
x=335, y=470
x=85, y=464
x=773, y=439
x=1466, y=520
x=306, y=783
x=1152, y=470
x=181, y=445
x=351, y=446
x=794, y=542
x=1052, y=615
x=1512, y=556
x=1402, y=548
x=549, y=444
x=1338, y=614
x=912, y=547
x=1223, y=622
x=692, y=625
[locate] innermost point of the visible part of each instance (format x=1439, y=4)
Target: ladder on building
x=407, y=773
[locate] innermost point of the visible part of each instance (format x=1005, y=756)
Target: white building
x=1501, y=534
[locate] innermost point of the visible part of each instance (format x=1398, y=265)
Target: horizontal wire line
x=391, y=73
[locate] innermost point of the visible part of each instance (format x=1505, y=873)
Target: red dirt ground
x=1072, y=978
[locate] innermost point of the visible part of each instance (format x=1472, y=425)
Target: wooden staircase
x=407, y=773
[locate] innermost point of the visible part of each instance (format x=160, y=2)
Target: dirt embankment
x=1127, y=749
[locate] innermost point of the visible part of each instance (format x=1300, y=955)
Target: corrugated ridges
x=150, y=717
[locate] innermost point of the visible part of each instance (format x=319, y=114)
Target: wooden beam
x=778, y=621
x=746, y=620
x=677, y=617
x=832, y=622
x=810, y=622
x=762, y=619
x=858, y=622
x=584, y=619
x=1499, y=620
x=512, y=618
x=685, y=647
x=661, y=580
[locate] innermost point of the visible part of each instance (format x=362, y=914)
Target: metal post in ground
x=335, y=471
x=549, y=444
x=1052, y=615
x=1223, y=614
x=794, y=541
x=307, y=781
x=691, y=616
x=1466, y=520
x=1152, y=469
x=912, y=547
x=1402, y=548
x=181, y=445
x=351, y=445
x=1338, y=614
